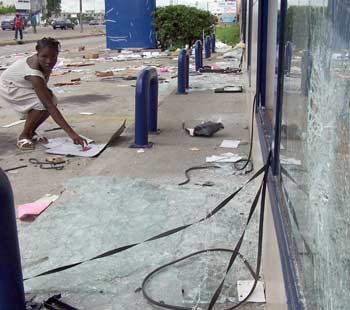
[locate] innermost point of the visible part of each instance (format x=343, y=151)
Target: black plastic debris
x=207, y=129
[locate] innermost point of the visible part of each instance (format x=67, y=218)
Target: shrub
x=178, y=25
x=228, y=34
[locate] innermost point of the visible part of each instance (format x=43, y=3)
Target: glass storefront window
x=315, y=148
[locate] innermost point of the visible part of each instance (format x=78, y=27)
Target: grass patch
x=228, y=34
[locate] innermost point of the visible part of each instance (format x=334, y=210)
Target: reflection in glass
x=315, y=148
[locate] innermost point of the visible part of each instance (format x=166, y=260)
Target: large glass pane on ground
x=315, y=148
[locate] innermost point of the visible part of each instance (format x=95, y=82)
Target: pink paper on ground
x=32, y=209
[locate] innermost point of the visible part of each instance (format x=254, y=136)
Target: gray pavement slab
x=124, y=196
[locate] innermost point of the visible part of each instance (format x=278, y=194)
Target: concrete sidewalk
x=126, y=196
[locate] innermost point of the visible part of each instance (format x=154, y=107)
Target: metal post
x=146, y=107
x=187, y=71
x=11, y=279
x=81, y=15
x=207, y=47
x=181, y=73
x=198, y=55
x=153, y=105
x=213, y=42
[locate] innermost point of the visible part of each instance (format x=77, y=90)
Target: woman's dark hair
x=48, y=42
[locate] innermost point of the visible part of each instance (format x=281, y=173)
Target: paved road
x=7, y=36
x=66, y=43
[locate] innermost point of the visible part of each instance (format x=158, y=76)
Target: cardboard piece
x=65, y=146
x=91, y=56
x=30, y=210
x=104, y=73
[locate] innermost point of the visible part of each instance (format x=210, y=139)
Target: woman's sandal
x=39, y=139
x=25, y=144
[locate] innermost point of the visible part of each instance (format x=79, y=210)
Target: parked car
x=64, y=23
x=93, y=22
x=8, y=24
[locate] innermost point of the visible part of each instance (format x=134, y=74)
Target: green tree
x=7, y=9
x=53, y=7
x=178, y=25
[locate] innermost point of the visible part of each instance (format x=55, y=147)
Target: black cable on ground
x=195, y=168
x=161, y=268
x=235, y=253
x=245, y=162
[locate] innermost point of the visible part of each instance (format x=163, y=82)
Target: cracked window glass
x=315, y=148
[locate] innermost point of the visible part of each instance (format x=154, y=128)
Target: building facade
x=298, y=61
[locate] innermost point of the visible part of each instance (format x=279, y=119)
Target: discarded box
x=104, y=73
x=91, y=56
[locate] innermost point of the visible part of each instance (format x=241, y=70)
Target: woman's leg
x=33, y=120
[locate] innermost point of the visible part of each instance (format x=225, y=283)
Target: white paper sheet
x=76, y=150
x=232, y=144
x=55, y=142
x=244, y=287
x=65, y=146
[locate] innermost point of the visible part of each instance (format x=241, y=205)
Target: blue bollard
x=187, y=71
x=198, y=55
x=213, y=42
x=181, y=73
x=11, y=278
x=146, y=107
x=207, y=47
x=153, y=106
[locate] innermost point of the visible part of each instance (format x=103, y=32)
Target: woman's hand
x=79, y=140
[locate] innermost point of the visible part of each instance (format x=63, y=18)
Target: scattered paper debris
x=104, y=73
x=30, y=210
x=233, y=144
x=140, y=151
x=223, y=158
x=91, y=56
x=66, y=83
x=244, y=288
x=14, y=123
x=55, y=159
x=194, y=149
x=59, y=73
x=76, y=80
x=130, y=77
x=86, y=113
x=290, y=161
x=80, y=64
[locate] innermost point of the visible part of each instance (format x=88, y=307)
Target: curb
x=12, y=42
